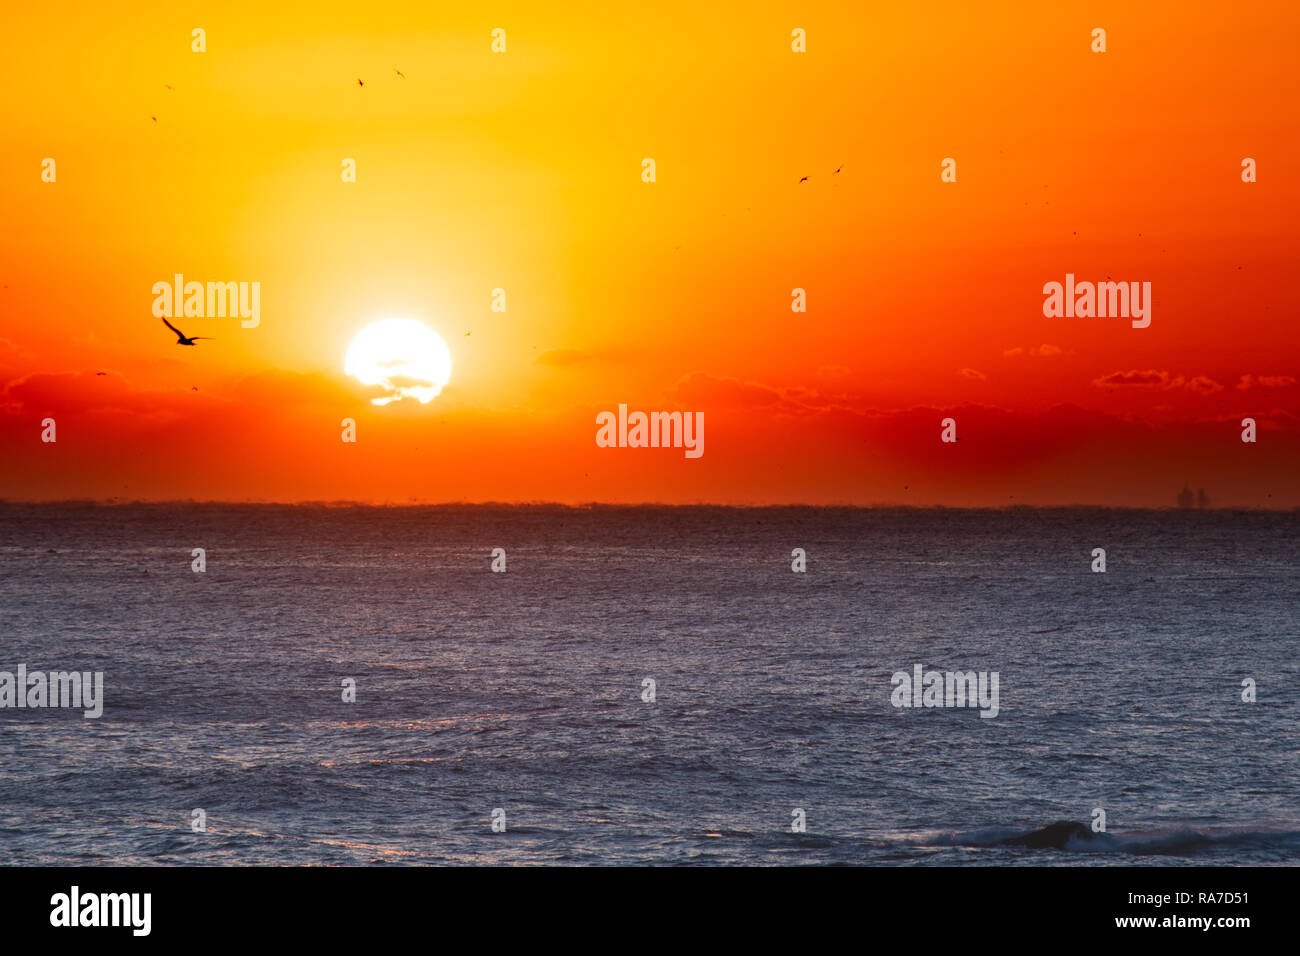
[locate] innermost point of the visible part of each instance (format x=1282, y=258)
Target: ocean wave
x=1078, y=838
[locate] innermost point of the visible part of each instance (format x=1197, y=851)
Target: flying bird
x=181, y=338
x=399, y=72
x=467, y=333
x=804, y=180
x=836, y=171
x=359, y=83
x=154, y=118
x=101, y=373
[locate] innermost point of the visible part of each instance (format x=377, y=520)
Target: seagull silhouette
x=180, y=336
x=399, y=72
x=359, y=83
x=804, y=180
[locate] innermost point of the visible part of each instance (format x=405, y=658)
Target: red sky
x=522, y=171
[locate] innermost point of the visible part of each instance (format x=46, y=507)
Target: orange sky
x=522, y=171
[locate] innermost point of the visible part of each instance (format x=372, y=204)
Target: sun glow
x=404, y=357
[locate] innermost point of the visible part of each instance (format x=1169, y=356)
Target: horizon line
x=589, y=505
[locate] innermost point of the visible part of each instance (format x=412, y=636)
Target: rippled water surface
x=523, y=690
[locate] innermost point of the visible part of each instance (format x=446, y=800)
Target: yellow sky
x=521, y=171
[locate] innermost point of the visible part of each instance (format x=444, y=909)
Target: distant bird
x=169, y=87
x=804, y=180
x=181, y=338
x=101, y=373
x=467, y=333
x=359, y=83
x=154, y=118
x=399, y=72
x=194, y=388
x=836, y=171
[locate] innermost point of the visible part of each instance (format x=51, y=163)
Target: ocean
x=522, y=698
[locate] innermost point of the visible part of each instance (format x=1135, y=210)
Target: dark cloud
x=1148, y=379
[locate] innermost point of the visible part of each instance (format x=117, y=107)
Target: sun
x=404, y=357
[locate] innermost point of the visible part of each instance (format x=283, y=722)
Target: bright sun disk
x=404, y=357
